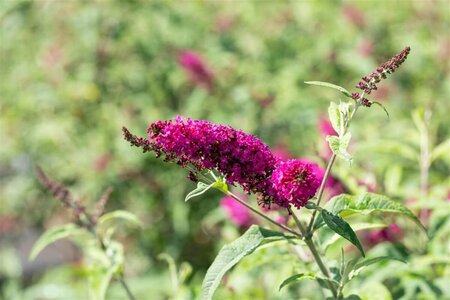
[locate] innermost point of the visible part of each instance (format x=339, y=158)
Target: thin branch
x=259, y=213
x=309, y=242
x=321, y=189
x=61, y=193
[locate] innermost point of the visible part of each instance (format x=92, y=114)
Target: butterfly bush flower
x=294, y=183
x=392, y=233
x=237, y=212
x=196, y=68
x=369, y=83
x=241, y=158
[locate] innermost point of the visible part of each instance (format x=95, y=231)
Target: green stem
x=328, y=169
x=126, y=288
x=256, y=211
x=309, y=242
x=321, y=189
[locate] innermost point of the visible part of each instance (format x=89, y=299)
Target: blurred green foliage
x=74, y=72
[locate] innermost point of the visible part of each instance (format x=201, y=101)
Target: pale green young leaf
x=221, y=185
x=323, y=281
x=99, y=279
x=119, y=215
x=201, y=189
x=330, y=85
x=334, y=116
x=54, y=234
x=232, y=253
x=383, y=107
x=367, y=262
x=341, y=227
x=339, y=146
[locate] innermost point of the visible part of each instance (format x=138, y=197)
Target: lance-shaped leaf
x=334, y=115
x=54, y=234
x=323, y=281
x=201, y=189
x=338, y=225
x=366, y=203
x=367, y=262
x=330, y=85
x=232, y=253
x=119, y=215
x=329, y=238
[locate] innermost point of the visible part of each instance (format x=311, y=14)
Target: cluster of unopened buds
x=369, y=83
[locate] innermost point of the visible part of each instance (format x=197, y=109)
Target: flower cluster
x=237, y=212
x=369, y=83
x=241, y=158
x=295, y=182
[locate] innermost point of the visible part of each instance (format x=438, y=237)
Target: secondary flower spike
x=369, y=83
x=295, y=182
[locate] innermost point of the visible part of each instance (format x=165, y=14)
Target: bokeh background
x=74, y=72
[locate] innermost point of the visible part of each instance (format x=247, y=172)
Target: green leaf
x=382, y=106
x=323, y=281
x=99, y=279
x=330, y=85
x=54, y=234
x=232, y=253
x=367, y=262
x=334, y=115
x=221, y=185
x=119, y=215
x=329, y=240
x=338, y=225
x=201, y=189
x=339, y=146
x=367, y=203
x=441, y=150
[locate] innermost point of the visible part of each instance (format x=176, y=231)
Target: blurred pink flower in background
x=354, y=15
x=196, y=68
x=280, y=152
x=325, y=127
x=224, y=23
x=383, y=92
x=365, y=48
x=393, y=233
x=238, y=213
